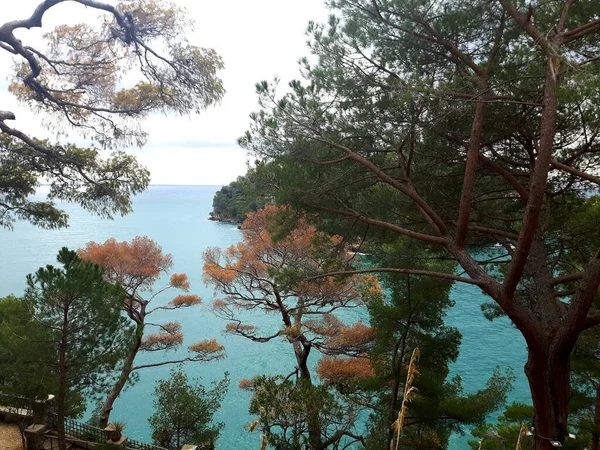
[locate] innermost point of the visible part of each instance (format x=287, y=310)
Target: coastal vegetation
x=69, y=331
x=282, y=266
x=184, y=411
x=232, y=202
x=455, y=124
x=427, y=144
x=248, y=193
x=136, y=267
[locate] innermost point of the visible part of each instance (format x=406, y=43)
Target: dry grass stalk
x=263, y=445
x=521, y=434
x=252, y=426
x=409, y=391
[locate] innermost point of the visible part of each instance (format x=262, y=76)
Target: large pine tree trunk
x=549, y=381
x=595, y=434
x=62, y=382
x=123, y=377
x=62, y=395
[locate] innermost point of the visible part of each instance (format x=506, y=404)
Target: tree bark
x=549, y=381
x=302, y=351
x=62, y=395
x=62, y=382
x=123, y=377
x=595, y=433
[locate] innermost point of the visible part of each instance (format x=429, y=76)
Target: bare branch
x=387, y=225
x=445, y=276
x=576, y=172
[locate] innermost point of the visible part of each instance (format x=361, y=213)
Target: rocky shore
x=219, y=218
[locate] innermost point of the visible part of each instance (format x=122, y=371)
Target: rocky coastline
x=219, y=218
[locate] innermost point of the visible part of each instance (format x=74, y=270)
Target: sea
x=177, y=218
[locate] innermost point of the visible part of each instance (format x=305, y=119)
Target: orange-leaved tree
x=137, y=267
x=268, y=271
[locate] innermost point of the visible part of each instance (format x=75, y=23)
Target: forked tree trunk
x=314, y=427
x=123, y=377
x=549, y=381
x=302, y=360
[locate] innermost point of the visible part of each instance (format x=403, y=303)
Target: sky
x=257, y=39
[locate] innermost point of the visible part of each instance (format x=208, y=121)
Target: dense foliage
x=284, y=265
x=25, y=345
x=458, y=123
x=231, y=202
x=72, y=334
x=184, y=412
x=248, y=193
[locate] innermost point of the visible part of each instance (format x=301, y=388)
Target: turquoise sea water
x=176, y=217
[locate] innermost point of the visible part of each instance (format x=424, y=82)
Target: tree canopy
x=87, y=336
x=98, y=80
x=184, y=412
x=136, y=267
x=457, y=123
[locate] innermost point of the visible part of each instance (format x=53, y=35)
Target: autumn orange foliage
x=352, y=336
x=341, y=369
x=137, y=266
x=208, y=350
x=341, y=338
x=161, y=341
x=180, y=281
x=182, y=301
x=246, y=384
x=275, y=268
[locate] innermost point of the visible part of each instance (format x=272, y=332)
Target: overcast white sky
x=258, y=39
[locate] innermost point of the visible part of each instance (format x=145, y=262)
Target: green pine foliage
x=412, y=316
x=248, y=193
x=79, y=175
x=26, y=346
x=81, y=311
x=65, y=336
x=286, y=407
x=184, y=411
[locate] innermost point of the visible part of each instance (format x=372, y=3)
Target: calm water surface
x=176, y=217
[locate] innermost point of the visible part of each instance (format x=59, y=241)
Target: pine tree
x=80, y=313
x=184, y=411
